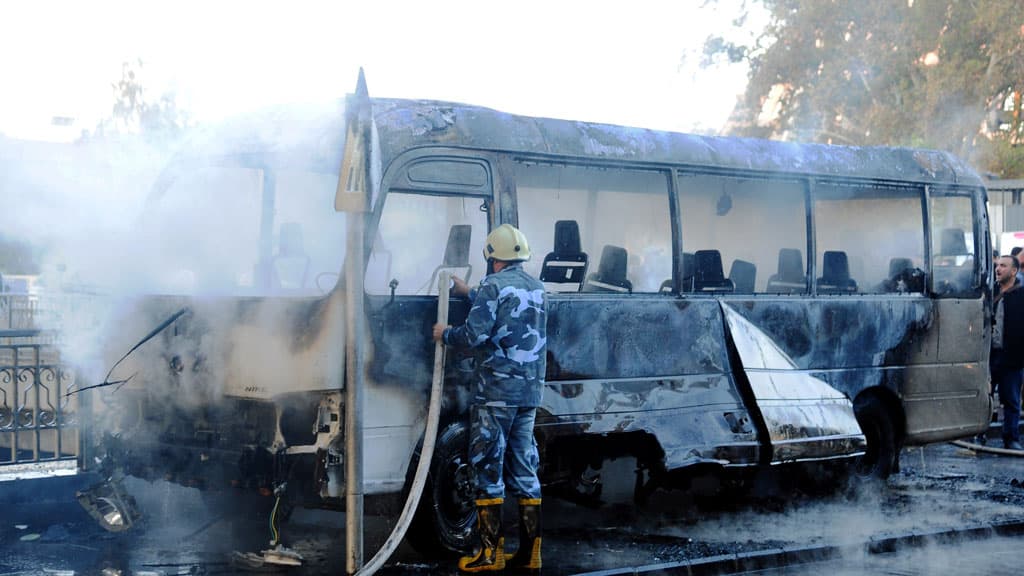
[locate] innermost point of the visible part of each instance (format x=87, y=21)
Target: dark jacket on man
x=1012, y=302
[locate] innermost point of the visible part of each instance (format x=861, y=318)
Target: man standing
x=1007, y=358
x=506, y=327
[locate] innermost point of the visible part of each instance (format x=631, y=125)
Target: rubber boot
x=491, y=557
x=527, y=557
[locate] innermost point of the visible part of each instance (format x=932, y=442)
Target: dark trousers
x=1008, y=382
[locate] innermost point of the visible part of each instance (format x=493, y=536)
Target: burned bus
x=714, y=303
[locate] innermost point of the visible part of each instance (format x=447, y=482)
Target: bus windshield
x=240, y=231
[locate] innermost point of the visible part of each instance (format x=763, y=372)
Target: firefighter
x=506, y=329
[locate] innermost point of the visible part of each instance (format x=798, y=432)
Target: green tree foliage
x=158, y=121
x=944, y=74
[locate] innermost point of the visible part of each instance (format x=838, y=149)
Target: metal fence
x=18, y=311
x=39, y=422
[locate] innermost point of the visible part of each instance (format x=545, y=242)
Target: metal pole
x=354, y=395
x=353, y=197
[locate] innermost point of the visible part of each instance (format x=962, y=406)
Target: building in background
x=1006, y=213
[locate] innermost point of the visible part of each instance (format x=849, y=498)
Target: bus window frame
x=804, y=182
x=980, y=242
x=400, y=166
x=668, y=171
x=922, y=191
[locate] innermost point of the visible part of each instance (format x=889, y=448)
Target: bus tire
x=879, y=461
x=445, y=518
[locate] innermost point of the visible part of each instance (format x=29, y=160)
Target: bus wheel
x=445, y=518
x=876, y=423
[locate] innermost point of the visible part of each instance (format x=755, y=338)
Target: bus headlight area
x=110, y=505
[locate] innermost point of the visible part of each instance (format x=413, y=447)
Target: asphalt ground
x=941, y=490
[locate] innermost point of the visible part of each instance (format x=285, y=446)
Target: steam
x=680, y=525
x=128, y=233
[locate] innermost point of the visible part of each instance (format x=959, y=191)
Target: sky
x=634, y=63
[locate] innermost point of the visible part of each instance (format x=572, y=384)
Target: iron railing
x=38, y=421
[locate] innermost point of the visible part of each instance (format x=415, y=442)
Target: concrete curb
x=781, y=557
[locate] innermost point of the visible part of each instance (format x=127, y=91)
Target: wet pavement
x=942, y=487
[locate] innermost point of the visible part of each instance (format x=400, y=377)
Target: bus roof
x=312, y=138
x=405, y=124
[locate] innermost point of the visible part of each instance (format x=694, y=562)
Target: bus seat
x=611, y=272
x=898, y=266
x=290, y=266
x=903, y=277
x=835, y=273
x=709, y=276
x=565, y=268
x=953, y=242
x=689, y=271
x=456, y=253
x=790, y=278
x=743, y=275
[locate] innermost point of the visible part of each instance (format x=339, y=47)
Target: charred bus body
x=852, y=320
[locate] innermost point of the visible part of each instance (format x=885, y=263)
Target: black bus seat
x=898, y=266
x=903, y=277
x=790, y=278
x=953, y=266
x=611, y=272
x=565, y=268
x=743, y=275
x=689, y=271
x=456, y=254
x=709, y=276
x=835, y=274
x=953, y=242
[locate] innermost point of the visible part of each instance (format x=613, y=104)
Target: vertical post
x=352, y=197
x=268, y=188
x=354, y=396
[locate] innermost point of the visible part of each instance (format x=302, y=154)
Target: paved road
x=43, y=532
x=990, y=557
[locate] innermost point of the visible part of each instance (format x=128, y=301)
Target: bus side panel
x=403, y=352
x=645, y=363
x=805, y=418
x=845, y=332
x=901, y=344
x=951, y=399
x=399, y=369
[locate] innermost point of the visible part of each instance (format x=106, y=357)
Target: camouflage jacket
x=507, y=329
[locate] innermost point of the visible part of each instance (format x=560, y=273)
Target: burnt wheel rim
x=455, y=500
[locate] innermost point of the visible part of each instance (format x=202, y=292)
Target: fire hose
x=427, y=451
x=988, y=449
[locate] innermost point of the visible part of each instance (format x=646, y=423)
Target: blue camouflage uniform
x=506, y=327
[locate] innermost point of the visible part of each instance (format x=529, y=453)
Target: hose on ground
x=987, y=449
x=429, y=436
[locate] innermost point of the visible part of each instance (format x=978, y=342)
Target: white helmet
x=506, y=243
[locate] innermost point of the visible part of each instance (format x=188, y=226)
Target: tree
x=159, y=121
x=944, y=74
